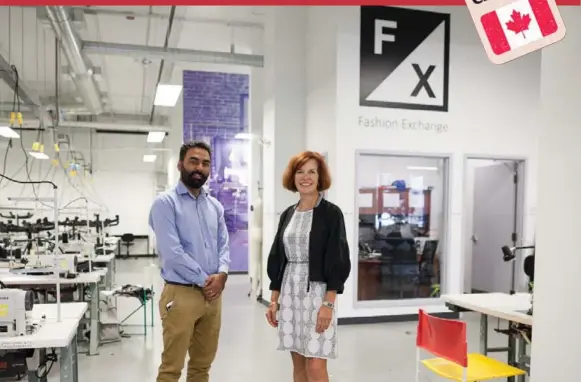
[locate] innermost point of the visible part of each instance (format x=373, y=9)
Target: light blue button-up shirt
x=191, y=236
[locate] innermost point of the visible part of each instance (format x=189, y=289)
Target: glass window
x=401, y=226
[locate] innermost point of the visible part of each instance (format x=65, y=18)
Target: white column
x=321, y=90
x=175, y=138
x=557, y=305
x=256, y=110
x=284, y=112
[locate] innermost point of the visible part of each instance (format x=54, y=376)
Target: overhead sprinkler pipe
x=81, y=69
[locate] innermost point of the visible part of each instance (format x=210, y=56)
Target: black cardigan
x=329, y=259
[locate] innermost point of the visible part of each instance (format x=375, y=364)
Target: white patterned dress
x=298, y=308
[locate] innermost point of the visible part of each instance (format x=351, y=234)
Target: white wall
x=556, y=302
x=321, y=95
x=121, y=184
x=333, y=126
x=491, y=112
x=284, y=113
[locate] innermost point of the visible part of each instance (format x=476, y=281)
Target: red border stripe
x=254, y=2
x=544, y=16
x=495, y=33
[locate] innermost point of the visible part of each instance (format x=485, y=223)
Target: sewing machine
x=44, y=264
x=73, y=247
x=15, y=309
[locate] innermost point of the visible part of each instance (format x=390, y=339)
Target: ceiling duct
x=173, y=54
x=81, y=70
x=113, y=127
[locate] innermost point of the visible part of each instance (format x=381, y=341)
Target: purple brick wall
x=212, y=104
x=215, y=110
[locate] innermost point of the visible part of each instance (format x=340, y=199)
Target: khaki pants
x=190, y=325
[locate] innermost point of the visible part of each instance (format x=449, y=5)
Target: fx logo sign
x=404, y=58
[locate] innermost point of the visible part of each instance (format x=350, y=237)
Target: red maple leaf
x=519, y=23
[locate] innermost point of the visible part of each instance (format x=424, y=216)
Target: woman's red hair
x=298, y=161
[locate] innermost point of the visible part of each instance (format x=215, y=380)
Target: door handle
x=474, y=239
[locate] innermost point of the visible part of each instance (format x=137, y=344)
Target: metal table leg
x=144, y=312
x=113, y=272
x=94, y=337
x=113, y=266
x=34, y=363
x=484, y=334
x=82, y=323
x=511, y=356
x=484, y=348
x=75, y=350
x=108, y=275
x=152, y=306
x=68, y=364
x=523, y=359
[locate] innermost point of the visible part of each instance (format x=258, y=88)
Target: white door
x=494, y=222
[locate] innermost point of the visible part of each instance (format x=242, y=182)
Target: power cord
x=28, y=182
x=45, y=367
x=16, y=109
x=6, y=158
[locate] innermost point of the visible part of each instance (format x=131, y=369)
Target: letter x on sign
x=423, y=82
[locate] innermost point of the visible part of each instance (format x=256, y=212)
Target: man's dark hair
x=194, y=145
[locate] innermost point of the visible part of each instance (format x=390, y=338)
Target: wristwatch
x=328, y=304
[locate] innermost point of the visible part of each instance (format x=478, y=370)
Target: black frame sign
x=404, y=58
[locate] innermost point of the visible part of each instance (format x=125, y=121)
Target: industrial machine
x=72, y=247
x=15, y=320
x=15, y=312
x=523, y=333
x=44, y=265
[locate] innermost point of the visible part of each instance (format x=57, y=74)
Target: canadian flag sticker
x=512, y=29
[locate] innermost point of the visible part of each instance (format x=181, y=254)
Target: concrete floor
x=367, y=353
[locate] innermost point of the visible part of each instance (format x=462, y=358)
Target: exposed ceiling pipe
x=33, y=125
x=130, y=15
x=81, y=70
x=113, y=126
x=172, y=54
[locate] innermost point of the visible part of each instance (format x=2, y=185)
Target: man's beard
x=189, y=179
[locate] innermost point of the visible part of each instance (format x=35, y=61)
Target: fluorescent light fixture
x=421, y=168
x=246, y=136
x=149, y=158
x=7, y=132
x=38, y=155
x=155, y=136
x=167, y=95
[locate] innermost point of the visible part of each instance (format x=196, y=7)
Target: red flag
x=518, y=24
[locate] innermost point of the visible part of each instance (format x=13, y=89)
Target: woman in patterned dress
x=308, y=266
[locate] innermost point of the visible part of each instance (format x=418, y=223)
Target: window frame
x=444, y=237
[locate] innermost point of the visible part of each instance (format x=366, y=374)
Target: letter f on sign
x=380, y=37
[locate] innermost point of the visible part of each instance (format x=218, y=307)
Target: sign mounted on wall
x=404, y=58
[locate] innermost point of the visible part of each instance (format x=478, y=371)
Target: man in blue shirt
x=192, y=242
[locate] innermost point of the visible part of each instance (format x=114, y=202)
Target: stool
x=127, y=239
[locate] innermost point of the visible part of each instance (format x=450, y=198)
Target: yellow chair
x=446, y=339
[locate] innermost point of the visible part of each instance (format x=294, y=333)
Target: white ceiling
x=127, y=83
